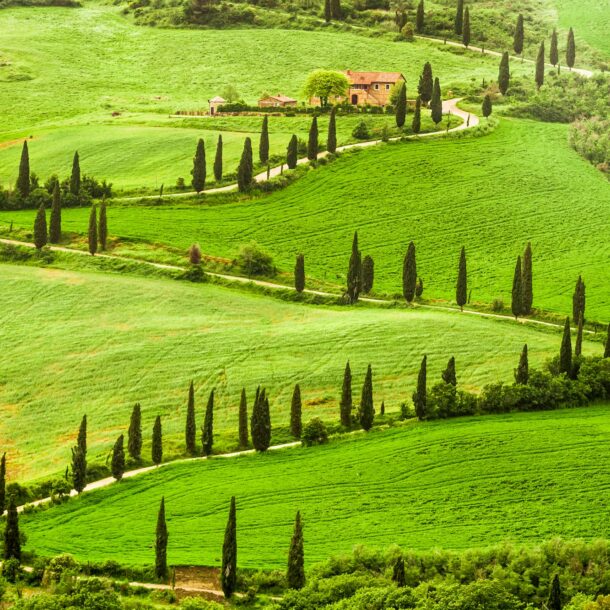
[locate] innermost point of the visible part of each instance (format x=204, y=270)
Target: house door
x=212, y=110
x=355, y=99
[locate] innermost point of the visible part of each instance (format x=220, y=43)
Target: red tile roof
x=367, y=78
x=279, y=97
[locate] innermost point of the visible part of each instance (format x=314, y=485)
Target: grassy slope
x=453, y=484
x=590, y=20
x=79, y=343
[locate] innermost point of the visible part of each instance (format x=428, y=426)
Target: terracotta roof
x=367, y=78
x=217, y=100
x=279, y=97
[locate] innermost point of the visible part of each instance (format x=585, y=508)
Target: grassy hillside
x=590, y=19
x=452, y=484
x=75, y=343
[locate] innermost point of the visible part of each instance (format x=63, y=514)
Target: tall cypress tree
x=571, y=50
x=207, y=430
x=354, y=272
x=565, y=355
x=296, y=410
x=401, y=106
x=517, y=292
x=554, y=602
x=40, y=228
x=79, y=469
x=579, y=300
x=55, y=222
x=243, y=419
x=504, y=73
x=409, y=274
x=528, y=282
x=228, y=573
x=426, y=84
x=420, y=396
x=190, y=431
x=218, y=160
x=3, y=484
x=368, y=274
x=461, y=292
x=199, y=167
x=420, y=17
x=522, y=372
x=12, y=537
x=436, y=104
x=161, y=543
x=346, y=397
x=134, y=434
x=540, y=66
x=466, y=28
x=578, y=346
x=23, y=180
x=331, y=140
x=328, y=11
x=519, y=36
x=260, y=422
x=335, y=9
x=487, y=107
x=157, y=442
x=449, y=375
x=292, y=152
x=118, y=459
x=246, y=168
x=75, y=176
x=92, y=233
x=103, y=226
x=366, y=413
x=263, y=145
x=607, y=348
x=295, y=575
x=299, y=273
x=312, y=144
x=459, y=18
x=554, y=56
x=416, y=123
x=398, y=572
x=81, y=440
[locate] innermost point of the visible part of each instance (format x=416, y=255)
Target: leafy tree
x=554, y=55
x=40, y=228
x=517, y=292
x=522, y=374
x=328, y=11
x=420, y=395
x=436, y=104
x=314, y=433
x=426, y=84
x=190, y=432
x=466, y=28
x=3, y=484
x=459, y=18
x=461, y=292
x=398, y=573
x=79, y=469
x=504, y=73
x=296, y=409
x=416, y=123
x=540, y=66
x=335, y=9
x=346, y=396
x=245, y=170
x=199, y=167
x=228, y=573
x=292, y=152
x=331, y=140
x=312, y=144
x=207, y=430
x=554, y=602
x=75, y=178
x=134, y=434
x=103, y=226
x=519, y=36
x=486, y=108
x=420, y=17
x=354, y=272
x=565, y=355
x=243, y=419
x=55, y=222
x=579, y=300
x=263, y=145
x=161, y=543
x=260, y=422
x=157, y=442
x=92, y=233
x=366, y=413
x=12, y=537
x=368, y=274
x=218, y=160
x=325, y=84
x=401, y=106
x=295, y=575
x=528, y=292
x=607, y=348
x=571, y=50
x=23, y=180
x=118, y=459
x=409, y=274
x=449, y=375
x=299, y=273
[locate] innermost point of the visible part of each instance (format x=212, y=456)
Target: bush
x=11, y=570
x=314, y=433
x=253, y=260
x=361, y=131
x=197, y=603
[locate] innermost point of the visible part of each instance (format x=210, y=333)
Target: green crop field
x=76, y=343
x=451, y=484
x=590, y=20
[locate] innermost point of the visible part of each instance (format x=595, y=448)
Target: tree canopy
x=324, y=84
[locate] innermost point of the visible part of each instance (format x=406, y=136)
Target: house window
x=376, y=87
x=387, y=87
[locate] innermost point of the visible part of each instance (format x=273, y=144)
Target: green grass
x=91, y=343
x=590, y=20
x=452, y=484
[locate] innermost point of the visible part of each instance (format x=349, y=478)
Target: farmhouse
x=215, y=103
x=276, y=101
x=372, y=88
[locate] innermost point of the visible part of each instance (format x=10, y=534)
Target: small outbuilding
x=215, y=103
x=276, y=101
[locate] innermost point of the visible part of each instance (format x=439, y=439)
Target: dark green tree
x=228, y=573
x=528, y=281
x=260, y=422
x=449, y=375
x=103, y=226
x=426, y=84
x=487, y=107
x=401, y=106
x=243, y=420
x=420, y=396
x=540, y=66
x=504, y=73
x=296, y=410
x=579, y=300
x=312, y=144
x=55, y=221
x=459, y=18
x=579, y=333
x=207, y=430
x=299, y=273
x=519, y=36
x=571, y=50
x=245, y=170
x=522, y=372
x=199, y=167
x=23, y=180
x=436, y=104
x=420, y=17
x=292, y=153
x=554, y=602
x=419, y=287
x=134, y=434
x=75, y=176
x=409, y=274
x=416, y=123
x=161, y=543
x=263, y=145
x=565, y=355
x=3, y=484
x=12, y=537
x=81, y=440
x=295, y=575
x=157, y=442
x=398, y=573
x=461, y=292
x=346, y=397
x=190, y=431
x=466, y=28
x=218, y=160
x=79, y=469
x=554, y=55
x=517, y=292
x=607, y=348
x=368, y=274
x=366, y=413
x=118, y=459
x=354, y=272
x=331, y=140
x=335, y=9
x=328, y=11
x=92, y=233
x=40, y=228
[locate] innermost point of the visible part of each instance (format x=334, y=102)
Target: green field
x=590, y=20
x=77, y=343
x=452, y=484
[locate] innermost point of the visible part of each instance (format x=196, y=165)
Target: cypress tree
x=416, y=123
x=55, y=222
x=243, y=419
x=366, y=413
x=92, y=234
x=401, y=106
x=522, y=373
x=382, y=408
x=398, y=573
x=571, y=50
x=23, y=180
x=528, y=292
x=461, y=292
x=565, y=355
x=354, y=272
x=161, y=543
x=75, y=176
x=436, y=104
x=118, y=459
x=517, y=292
x=466, y=28
x=540, y=66
x=420, y=17
x=486, y=108
x=331, y=141
x=12, y=539
x=459, y=17
x=426, y=84
x=295, y=575
x=3, y=484
x=190, y=431
x=79, y=469
x=312, y=144
x=346, y=397
x=420, y=397
x=607, y=348
x=103, y=226
x=328, y=13
x=335, y=9
x=419, y=287
x=578, y=346
x=218, y=160
x=579, y=300
x=263, y=145
x=554, y=56
x=292, y=153
x=40, y=228
x=296, y=409
x=554, y=602
x=299, y=273
x=519, y=36
x=207, y=430
x=368, y=274
x=81, y=440
x=260, y=422
x=245, y=169
x=228, y=573
x=134, y=434
x=157, y=442
x=504, y=73
x=199, y=169
x=409, y=274
x=449, y=375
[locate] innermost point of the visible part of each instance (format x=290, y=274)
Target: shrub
x=253, y=260
x=11, y=570
x=361, y=131
x=198, y=603
x=314, y=433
